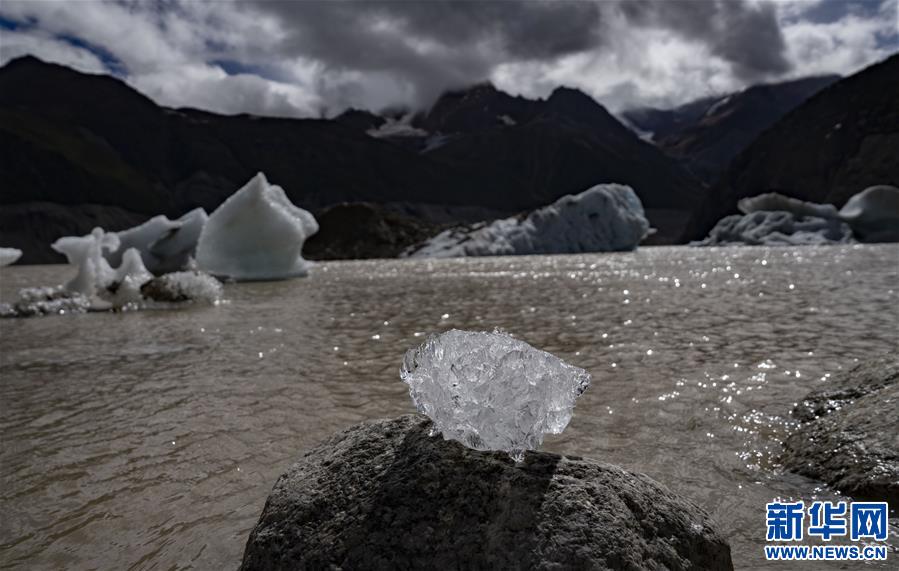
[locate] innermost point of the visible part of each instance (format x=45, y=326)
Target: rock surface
x=850, y=432
x=360, y=230
x=385, y=495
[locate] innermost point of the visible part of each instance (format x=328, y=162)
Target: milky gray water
x=150, y=440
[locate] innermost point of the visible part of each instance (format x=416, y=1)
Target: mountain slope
x=75, y=139
x=707, y=134
x=840, y=141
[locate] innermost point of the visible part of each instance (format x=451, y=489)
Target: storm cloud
x=439, y=44
x=317, y=57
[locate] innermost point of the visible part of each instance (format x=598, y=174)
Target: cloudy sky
x=310, y=58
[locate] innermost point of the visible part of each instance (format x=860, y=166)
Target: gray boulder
x=849, y=436
x=386, y=495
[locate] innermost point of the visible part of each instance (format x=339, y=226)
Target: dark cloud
x=436, y=44
x=429, y=46
x=748, y=36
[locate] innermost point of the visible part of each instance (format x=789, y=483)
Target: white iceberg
x=86, y=252
x=762, y=228
x=125, y=287
x=491, y=391
x=256, y=234
x=165, y=245
x=99, y=287
x=607, y=217
x=773, y=219
x=9, y=256
x=873, y=214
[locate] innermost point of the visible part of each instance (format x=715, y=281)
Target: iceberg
x=9, y=256
x=256, y=234
x=491, y=391
x=776, y=202
x=873, y=214
x=165, y=245
x=779, y=228
x=98, y=286
x=86, y=252
x=607, y=217
x=773, y=219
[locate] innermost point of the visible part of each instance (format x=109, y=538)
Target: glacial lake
x=151, y=439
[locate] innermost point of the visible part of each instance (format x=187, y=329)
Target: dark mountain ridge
x=838, y=142
x=75, y=139
x=707, y=134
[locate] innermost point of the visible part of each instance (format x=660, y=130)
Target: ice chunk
x=607, y=217
x=775, y=202
x=9, y=256
x=257, y=234
x=105, y=287
x=175, y=251
x=183, y=286
x=165, y=245
x=86, y=252
x=762, y=228
x=55, y=300
x=124, y=289
x=873, y=214
x=491, y=391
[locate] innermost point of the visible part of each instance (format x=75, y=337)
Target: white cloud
x=168, y=51
x=844, y=46
x=16, y=43
x=209, y=87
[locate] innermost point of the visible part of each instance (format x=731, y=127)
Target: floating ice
x=607, y=217
x=45, y=301
x=165, y=245
x=776, y=229
x=86, y=252
x=491, y=391
x=775, y=202
x=773, y=219
x=257, y=234
x=873, y=214
x=124, y=288
x=100, y=287
x=183, y=286
x=9, y=256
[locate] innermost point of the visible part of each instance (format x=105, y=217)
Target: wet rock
x=849, y=436
x=386, y=495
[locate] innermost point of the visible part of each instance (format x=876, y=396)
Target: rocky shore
x=849, y=436
x=386, y=495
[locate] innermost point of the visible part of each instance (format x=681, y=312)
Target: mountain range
x=707, y=134
x=835, y=144
x=107, y=153
x=79, y=150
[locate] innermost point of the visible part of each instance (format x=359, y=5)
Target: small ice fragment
x=491, y=391
x=9, y=256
